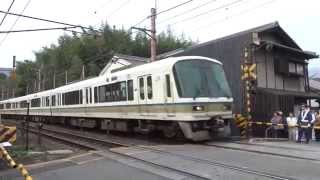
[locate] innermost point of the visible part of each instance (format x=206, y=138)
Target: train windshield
x=200, y=78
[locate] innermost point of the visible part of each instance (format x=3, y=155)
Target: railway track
x=218, y=164
x=93, y=143
x=260, y=151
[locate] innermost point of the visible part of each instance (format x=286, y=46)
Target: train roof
x=139, y=68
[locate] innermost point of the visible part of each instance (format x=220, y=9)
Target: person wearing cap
x=305, y=119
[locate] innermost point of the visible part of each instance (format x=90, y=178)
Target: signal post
x=249, y=77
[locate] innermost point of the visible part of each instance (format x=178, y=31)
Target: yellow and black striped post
x=5, y=155
x=8, y=133
x=248, y=75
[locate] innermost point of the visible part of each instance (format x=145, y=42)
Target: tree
x=91, y=50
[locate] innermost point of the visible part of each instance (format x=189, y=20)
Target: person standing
x=304, y=122
x=292, y=127
x=317, y=126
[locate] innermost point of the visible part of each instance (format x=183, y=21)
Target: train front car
x=204, y=101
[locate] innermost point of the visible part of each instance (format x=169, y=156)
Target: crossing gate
x=8, y=133
x=242, y=123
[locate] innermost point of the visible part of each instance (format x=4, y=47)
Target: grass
x=18, y=152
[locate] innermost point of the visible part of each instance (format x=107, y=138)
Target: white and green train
x=187, y=94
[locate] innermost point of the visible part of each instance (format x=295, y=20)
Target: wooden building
x=282, y=74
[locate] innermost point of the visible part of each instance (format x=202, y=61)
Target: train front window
x=200, y=78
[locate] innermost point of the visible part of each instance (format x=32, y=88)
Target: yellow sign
x=248, y=71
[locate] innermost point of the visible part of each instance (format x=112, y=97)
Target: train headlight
x=198, y=108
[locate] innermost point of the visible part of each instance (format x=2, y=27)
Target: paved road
x=120, y=165
x=96, y=167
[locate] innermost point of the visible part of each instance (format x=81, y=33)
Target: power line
x=187, y=11
x=41, y=29
x=15, y=22
x=4, y=17
x=166, y=10
x=207, y=12
x=119, y=8
x=234, y=15
x=141, y=21
x=174, y=7
x=47, y=20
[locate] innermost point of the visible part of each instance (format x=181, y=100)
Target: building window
x=300, y=69
x=292, y=67
x=296, y=68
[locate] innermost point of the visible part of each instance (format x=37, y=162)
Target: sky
x=213, y=19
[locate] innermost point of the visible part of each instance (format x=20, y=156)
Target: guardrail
x=243, y=124
x=5, y=155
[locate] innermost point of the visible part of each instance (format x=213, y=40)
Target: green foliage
x=91, y=50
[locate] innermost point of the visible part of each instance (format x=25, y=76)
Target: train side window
x=47, y=101
x=130, y=90
x=81, y=97
x=116, y=91
x=53, y=100
x=149, y=87
x=90, y=95
x=123, y=91
x=35, y=102
x=87, y=96
x=168, y=86
x=109, y=94
x=141, y=88
x=96, y=94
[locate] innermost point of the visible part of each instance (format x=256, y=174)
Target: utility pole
x=13, y=75
x=54, y=79
x=2, y=93
x=39, y=80
x=66, y=80
x=153, y=35
x=82, y=73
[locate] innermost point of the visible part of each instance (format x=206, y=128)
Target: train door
x=87, y=98
x=168, y=96
x=145, y=94
x=88, y=95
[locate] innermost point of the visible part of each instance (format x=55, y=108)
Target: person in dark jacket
x=305, y=118
x=317, y=126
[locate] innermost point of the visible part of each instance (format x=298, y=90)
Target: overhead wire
x=4, y=17
x=174, y=7
x=40, y=29
x=119, y=8
x=164, y=11
x=234, y=15
x=187, y=11
x=47, y=20
x=206, y=12
x=15, y=22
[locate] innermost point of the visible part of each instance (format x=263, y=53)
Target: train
x=187, y=95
